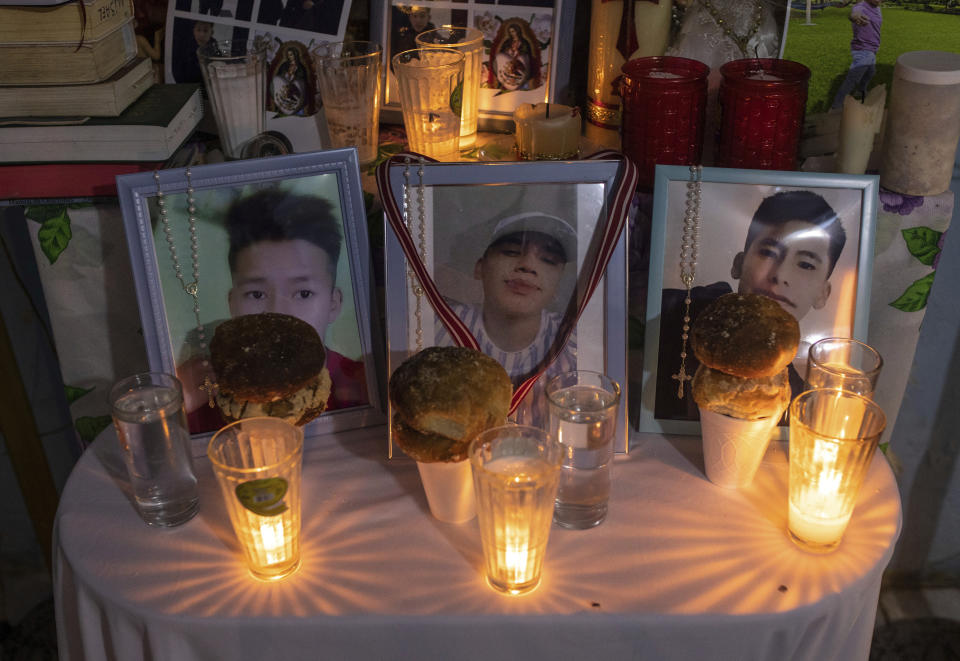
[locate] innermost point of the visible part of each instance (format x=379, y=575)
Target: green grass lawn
x=825, y=46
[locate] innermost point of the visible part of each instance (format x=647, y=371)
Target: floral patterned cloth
x=910, y=235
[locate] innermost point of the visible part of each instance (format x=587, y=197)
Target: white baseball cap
x=536, y=221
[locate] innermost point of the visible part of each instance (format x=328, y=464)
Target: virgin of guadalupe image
x=291, y=81
x=514, y=58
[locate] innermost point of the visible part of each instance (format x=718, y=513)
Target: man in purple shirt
x=866, y=19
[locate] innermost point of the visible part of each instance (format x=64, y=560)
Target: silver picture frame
x=166, y=309
x=463, y=205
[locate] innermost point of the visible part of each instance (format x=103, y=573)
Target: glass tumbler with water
x=583, y=418
x=844, y=363
x=152, y=427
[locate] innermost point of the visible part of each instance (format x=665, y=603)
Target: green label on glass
x=263, y=497
x=456, y=98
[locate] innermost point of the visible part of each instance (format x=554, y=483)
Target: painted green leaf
x=922, y=243
x=55, y=234
x=88, y=426
x=74, y=393
x=42, y=212
x=915, y=296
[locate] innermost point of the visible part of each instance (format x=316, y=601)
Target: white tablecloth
x=681, y=569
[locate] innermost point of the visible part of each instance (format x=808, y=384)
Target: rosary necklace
x=688, y=264
x=415, y=285
x=740, y=40
x=192, y=288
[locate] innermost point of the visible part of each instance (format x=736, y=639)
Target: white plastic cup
x=734, y=447
x=449, y=489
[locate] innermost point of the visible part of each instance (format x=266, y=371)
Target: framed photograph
x=289, y=28
x=523, y=261
x=524, y=58
x=283, y=234
x=804, y=239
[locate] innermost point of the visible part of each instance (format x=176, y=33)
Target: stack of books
x=77, y=105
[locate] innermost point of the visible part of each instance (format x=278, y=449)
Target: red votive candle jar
x=664, y=105
x=762, y=105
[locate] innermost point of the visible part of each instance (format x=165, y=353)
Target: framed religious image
x=526, y=55
x=216, y=248
x=523, y=261
x=804, y=239
x=288, y=28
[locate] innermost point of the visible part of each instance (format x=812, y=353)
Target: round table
x=681, y=569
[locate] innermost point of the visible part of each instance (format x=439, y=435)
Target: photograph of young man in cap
x=519, y=269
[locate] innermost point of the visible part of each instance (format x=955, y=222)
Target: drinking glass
x=468, y=41
x=235, y=76
x=833, y=435
x=152, y=426
x=583, y=419
x=844, y=363
x=430, y=82
x=515, y=474
x=257, y=462
x=349, y=76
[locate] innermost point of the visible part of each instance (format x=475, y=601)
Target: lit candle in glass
x=833, y=435
x=257, y=462
x=515, y=475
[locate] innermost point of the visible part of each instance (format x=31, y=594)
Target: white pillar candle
x=651, y=23
x=859, y=126
x=547, y=131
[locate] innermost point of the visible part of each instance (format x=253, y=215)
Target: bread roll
x=738, y=397
x=746, y=335
x=443, y=397
x=269, y=364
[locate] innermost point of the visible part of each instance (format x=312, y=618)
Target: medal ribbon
x=588, y=280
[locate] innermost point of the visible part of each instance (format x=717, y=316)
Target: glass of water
x=583, y=418
x=843, y=363
x=152, y=426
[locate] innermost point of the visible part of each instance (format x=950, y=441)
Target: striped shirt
x=522, y=364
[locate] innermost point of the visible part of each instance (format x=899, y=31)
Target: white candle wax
x=762, y=75
x=547, y=131
x=808, y=526
x=859, y=126
x=818, y=513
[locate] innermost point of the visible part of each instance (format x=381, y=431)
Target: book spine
x=102, y=142
x=68, y=22
x=107, y=99
x=49, y=64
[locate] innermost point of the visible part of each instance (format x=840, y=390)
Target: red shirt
x=349, y=389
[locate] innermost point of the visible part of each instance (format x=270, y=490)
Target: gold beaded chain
x=191, y=288
x=689, y=243
x=740, y=40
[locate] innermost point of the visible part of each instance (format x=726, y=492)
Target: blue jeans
x=858, y=77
